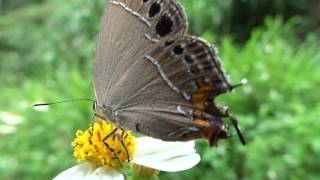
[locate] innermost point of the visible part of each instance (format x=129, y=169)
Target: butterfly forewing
x=126, y=36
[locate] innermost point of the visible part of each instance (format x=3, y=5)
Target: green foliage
x=46, y=51
x=238, y=18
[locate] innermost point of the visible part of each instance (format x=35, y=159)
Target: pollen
x=114, y=151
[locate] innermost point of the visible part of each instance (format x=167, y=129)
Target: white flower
x=150, y=152
x=87, y=171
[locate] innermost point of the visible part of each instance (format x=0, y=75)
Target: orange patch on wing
x=201, y=103
x=199, y=98
x=201, y=122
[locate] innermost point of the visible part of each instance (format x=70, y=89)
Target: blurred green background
x=46, y=49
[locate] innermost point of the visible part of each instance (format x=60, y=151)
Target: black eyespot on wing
x=188, y=59
x=144, y=1
x=164, y=26
x=178, y=50
x=154, y=9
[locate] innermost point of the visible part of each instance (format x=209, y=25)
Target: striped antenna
x=64, y=101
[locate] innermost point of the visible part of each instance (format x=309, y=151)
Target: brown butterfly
x=151, y=78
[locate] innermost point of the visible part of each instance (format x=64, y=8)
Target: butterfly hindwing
x=189, y=65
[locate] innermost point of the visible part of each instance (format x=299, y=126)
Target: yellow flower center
x=91, y=146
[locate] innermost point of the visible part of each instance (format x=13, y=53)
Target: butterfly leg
x=98, y=116
x=108, y=136
x=91, y=127
x=121, y=140
x=108, y=146
x=91, y=130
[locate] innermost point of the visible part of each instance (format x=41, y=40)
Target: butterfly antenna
x=58, y=102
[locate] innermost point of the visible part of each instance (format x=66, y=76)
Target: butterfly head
x=103, y=112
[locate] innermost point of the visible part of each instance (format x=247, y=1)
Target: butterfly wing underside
x=156, y=80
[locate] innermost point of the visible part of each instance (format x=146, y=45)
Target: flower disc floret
x=90, y=146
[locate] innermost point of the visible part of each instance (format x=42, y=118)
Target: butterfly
x=152, y=78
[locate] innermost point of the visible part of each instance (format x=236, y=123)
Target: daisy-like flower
x=105, y=159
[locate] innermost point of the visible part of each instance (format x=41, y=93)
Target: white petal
x=165, y=156
x=105, y=174
x=86, y=171
x=76, y=172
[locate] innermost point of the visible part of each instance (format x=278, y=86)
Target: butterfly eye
x=94, y=105
x=138, y=127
